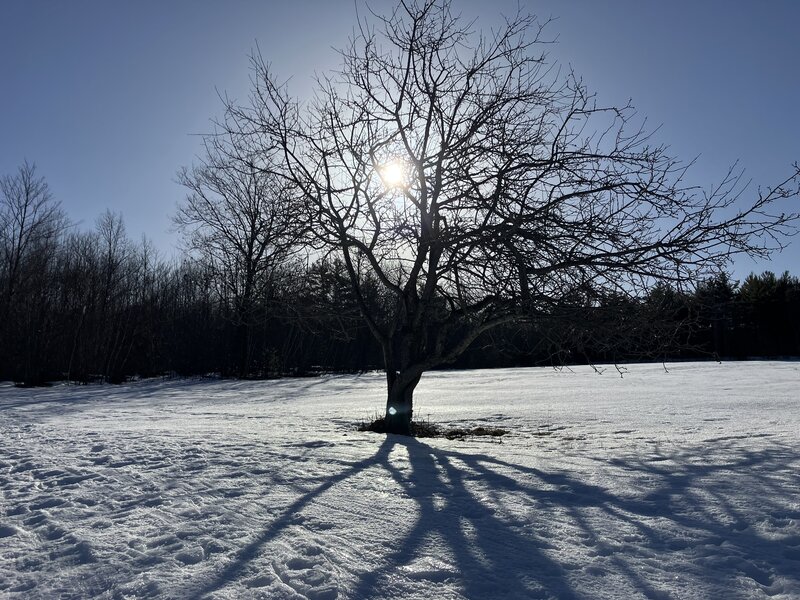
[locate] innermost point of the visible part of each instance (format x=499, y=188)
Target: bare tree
x=237, y=218
x=31, y=224
x=29, y=219
x=480, y=185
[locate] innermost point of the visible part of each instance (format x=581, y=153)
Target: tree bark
x=400, y=400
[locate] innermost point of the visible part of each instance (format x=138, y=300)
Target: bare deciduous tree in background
x=29, y=219
x=237, y=218
x=481, y=185
x=31, y=224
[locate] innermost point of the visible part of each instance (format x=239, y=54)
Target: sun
x=393, y=173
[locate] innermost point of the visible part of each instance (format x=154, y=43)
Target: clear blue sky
x=106, y=96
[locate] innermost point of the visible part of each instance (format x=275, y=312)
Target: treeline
x=721, y=318
x=96, y=305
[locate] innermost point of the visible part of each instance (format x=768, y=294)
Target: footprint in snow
x=260, y=581
x=48, y=503
x=308, y=574
x=190, y=556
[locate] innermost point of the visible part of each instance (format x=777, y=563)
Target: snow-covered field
x=660, y=485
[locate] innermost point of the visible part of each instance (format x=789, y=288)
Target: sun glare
x=393, y=174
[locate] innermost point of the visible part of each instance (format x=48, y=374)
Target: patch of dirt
x=425, y=429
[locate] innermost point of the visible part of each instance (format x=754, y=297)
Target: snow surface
x=683, y=484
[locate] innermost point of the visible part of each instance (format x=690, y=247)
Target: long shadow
x=252, y=549
x=492, y=559
x=464, y=524
x=492, y=553
x=75, y=395
x=683, y=495
x=50, y=397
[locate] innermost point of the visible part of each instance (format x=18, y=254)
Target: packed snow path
x=660, y=485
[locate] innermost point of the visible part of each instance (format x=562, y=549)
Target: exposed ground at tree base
x=426, y=429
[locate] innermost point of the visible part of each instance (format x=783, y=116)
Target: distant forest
x=97, y=306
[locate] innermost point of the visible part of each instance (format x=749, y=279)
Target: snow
x=679, y=484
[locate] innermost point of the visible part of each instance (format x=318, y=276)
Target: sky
x=109, y=98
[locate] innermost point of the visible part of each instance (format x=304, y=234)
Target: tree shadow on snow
x=486, y=524
x=490, y=557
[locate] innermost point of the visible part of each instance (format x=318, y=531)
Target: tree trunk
x=400, y=401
